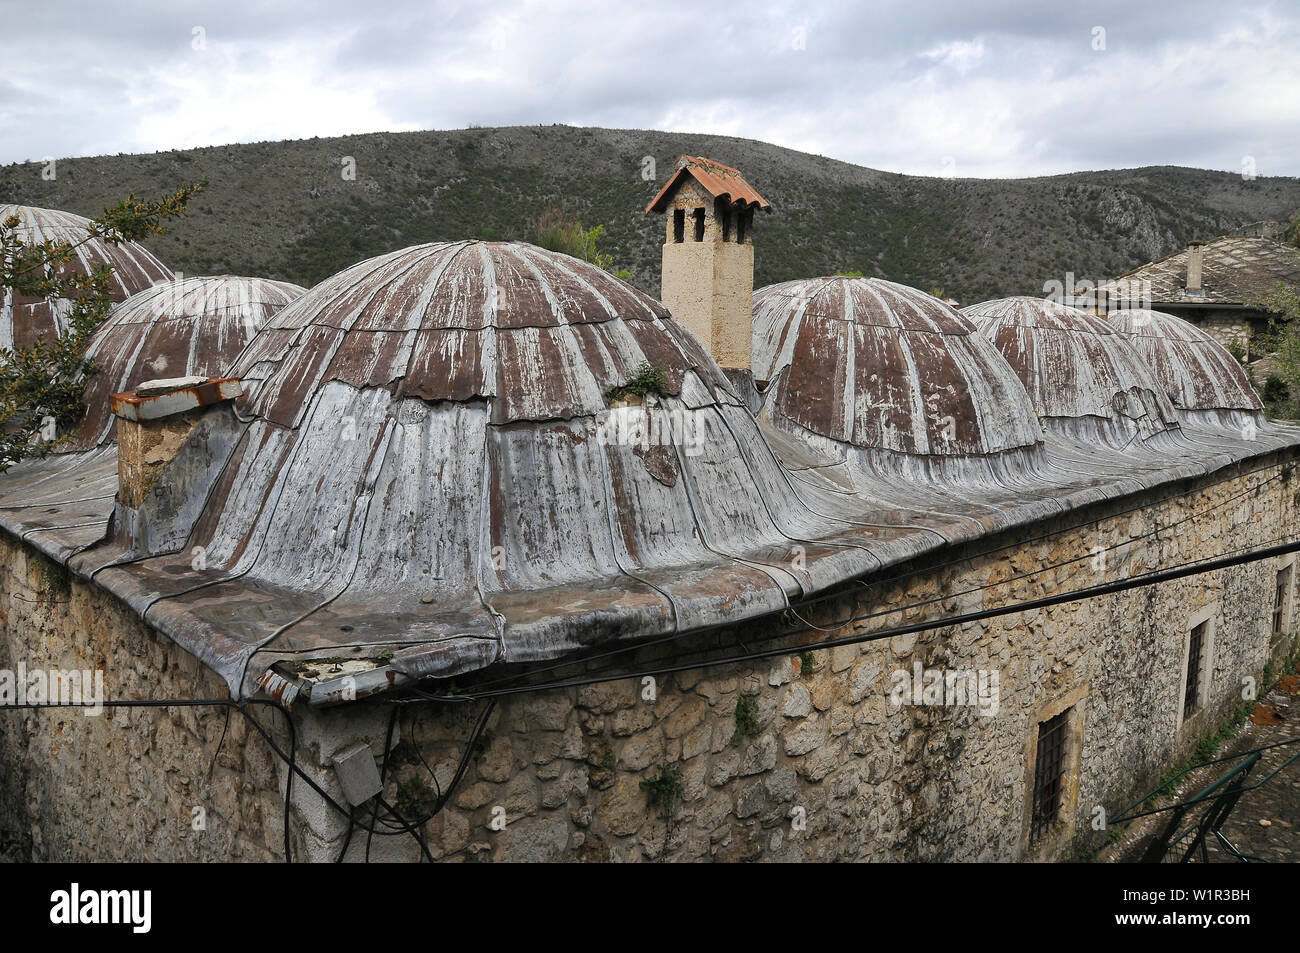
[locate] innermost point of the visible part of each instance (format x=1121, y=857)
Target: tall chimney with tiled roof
x=708, y=262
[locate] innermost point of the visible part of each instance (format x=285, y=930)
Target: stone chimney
x=708, y=257
x=153, y=423
x=1195, y=259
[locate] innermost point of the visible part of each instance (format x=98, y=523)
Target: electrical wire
x=1146, y=579
x=404, y=826
x=894, y=579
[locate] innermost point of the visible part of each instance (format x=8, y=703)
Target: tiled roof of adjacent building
x=1236, y=270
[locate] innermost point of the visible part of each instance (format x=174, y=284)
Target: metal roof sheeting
x=1081, y=374
x=880, y=365
x=424, y=466
x=22, y=319
x=1198, y=373
x=193, y=326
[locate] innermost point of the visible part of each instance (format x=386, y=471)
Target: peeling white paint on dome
x=191, y=326
x=882, y=367
x=1201, y=377
x=1084, y=378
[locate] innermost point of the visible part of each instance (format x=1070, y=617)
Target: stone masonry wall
x=875, y=781
x=124, y=784
x=819, y=765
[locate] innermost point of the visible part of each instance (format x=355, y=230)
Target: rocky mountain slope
x=289, y=210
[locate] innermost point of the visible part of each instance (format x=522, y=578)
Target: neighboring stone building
x=23, y=320
x=566, y=620
x=1214, y=284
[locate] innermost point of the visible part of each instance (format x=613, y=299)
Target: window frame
x=1283, y=611
x=1055, y=733
x=1075, y=704
x=1207, y=616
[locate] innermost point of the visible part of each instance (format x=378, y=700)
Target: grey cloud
x=1023, y=91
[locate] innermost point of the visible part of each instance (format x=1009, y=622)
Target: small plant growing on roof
x=665, y=789
x=648, y=378
x=746, y=717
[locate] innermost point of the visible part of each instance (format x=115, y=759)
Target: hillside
x=284, y=210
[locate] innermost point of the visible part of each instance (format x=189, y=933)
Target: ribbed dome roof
x=1083, y=376
x=885, y=367
x=194, y=326
x=424, y=475
x=543, y=334
x=24, y=319
x=427, y=460
x=1196, y=371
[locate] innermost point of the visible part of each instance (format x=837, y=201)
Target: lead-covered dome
x=427, y=461
x=886, y=368
x=190, y=326
x=1201, y=377
x=24, y=319
x=1084, y=378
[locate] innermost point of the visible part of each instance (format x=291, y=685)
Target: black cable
x=291, y=761
x=347, y=839
x=634, y=647
x=408, y=827
x=383, y=778
x=212, y=765
x=674, y=636
x=1123, y=585
x=480, y=725
x=433, y=775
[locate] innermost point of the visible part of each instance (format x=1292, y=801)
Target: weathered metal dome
x=426, y=479
x=1085, y=380
x=887, y=369
x=22, y=319
x=426, y=459
x=191, y=326
x=1200, y=376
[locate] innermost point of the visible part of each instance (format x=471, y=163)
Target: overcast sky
x=962, y=87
